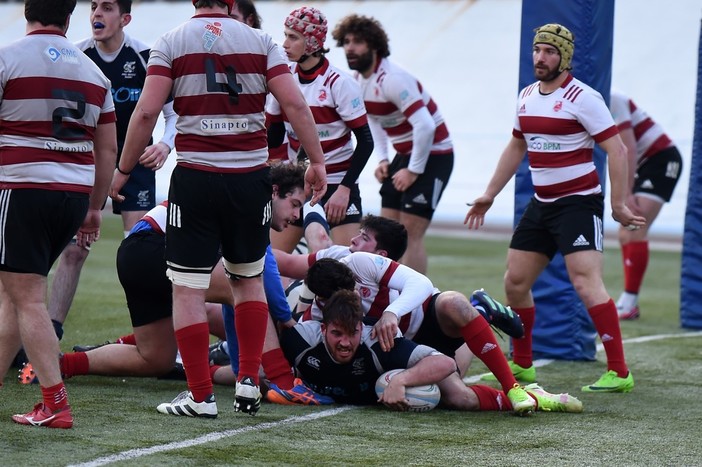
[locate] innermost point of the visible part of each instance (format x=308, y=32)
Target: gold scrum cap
x=559, y=37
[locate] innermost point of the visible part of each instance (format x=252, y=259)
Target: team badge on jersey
x=558, y=106
x=322, y=95
x=128, y=70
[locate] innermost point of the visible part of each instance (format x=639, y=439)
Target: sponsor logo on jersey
x=356, y=103
x=538, y=143
x=224, y=125
x=82, y=146
x=404, y=95
x=313, y=362
x=358, y=366
x=213, y=31
x=125, y=94
x=64, y=54
x=558, y=106
x=129, y=70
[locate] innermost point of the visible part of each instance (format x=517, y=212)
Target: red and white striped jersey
x=52, y=98
x=392, y=95
x=385, y=285
x=560, y=130
x=220, y=70
x=337, y=107
x=649, y=135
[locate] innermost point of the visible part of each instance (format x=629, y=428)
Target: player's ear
x=382, y=253
x=126, y=19
x=275, y=191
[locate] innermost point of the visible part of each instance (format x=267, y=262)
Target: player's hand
x=315, y=182
x=335, y=207
x=118, y=181
x=628, y=219
x=385, y=331
x=89, y=231
x=475, y=218
x=155, y=156
x=395, y=397
x=403, y=179
x=381, y=172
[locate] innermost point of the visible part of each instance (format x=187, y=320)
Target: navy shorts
x=209, y=210
x=139, y=192
x=658, y=174
x=422, y=198
x=38, y=224
x=430, y=332
x=141, y=268
x=570, y=224
x=354, y=211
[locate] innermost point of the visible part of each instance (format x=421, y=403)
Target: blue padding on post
x=691, y=271
x=563, y=329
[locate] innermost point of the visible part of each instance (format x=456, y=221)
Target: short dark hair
x=343, y=309
x=328, y=275
x=49, y=12
x=363, y=27
x=211, y=3
x=287, y=176
x=248, y=9
x=125, y=6
x=389, y=234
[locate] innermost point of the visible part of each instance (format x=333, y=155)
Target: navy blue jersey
x=350, y=383
x=127, y=72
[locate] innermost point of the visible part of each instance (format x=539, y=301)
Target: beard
x=362, y=62
x=546, y=74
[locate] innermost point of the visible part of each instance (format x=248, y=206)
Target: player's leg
x=65, y=283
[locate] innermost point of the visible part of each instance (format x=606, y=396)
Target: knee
x=73, y=254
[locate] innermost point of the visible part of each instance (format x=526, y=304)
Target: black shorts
x=422, y=198
x=430, y=332
x=141, y=268
x=139, y=192
x=354, y=212
x=658, y=174
x=207, y=210
x=37, y=225
x=570, y=224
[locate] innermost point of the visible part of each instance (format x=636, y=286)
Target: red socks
x=55, y=397
x=193, y=343
x=251, y=319
x=604, y=317
x=277, y=368
x=73, y=364
x=521, y=348
x=481, y=341
x=635, y=259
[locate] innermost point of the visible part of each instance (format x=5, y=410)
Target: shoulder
x=135, y=44
x=85, y=44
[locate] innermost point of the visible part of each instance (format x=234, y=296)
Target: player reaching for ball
x=339, y=358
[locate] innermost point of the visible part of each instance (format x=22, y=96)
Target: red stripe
x=549, y=125
x=557, y=190
x=230, y=170
x=606, y=134
x=221, y=143
x=539, y=160
x=47, y=186
x=338, y=167
x=36, y=129
x=642, y=127
x=324, y=114
x=663, y=142
x=441, y=133
x=42, y=87
x=358, y=122
x=401, y=129
x=382, y=299
x=24, y=155
x=413, y=108
x=380, y=108
x=330, y=145
x=218, y=104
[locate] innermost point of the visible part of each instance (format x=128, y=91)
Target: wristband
x=122, y=171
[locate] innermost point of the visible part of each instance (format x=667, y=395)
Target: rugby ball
x=421, y=398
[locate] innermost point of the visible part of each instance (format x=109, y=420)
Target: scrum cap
x=229, y=3
x=559, y=37
x=312, y=24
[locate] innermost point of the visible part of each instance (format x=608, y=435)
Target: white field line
x=600, y=347
x=216, y=436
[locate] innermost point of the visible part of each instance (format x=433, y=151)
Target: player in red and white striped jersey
x=59, y=146
x=218, y=71
x=654, y=169
x=337, y=105
x=559, y=119
x=401, y=110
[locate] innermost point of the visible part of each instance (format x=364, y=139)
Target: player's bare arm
x=617, y=163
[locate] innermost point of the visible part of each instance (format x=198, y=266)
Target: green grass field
x=116, y=421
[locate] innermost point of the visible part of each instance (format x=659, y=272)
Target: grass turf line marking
x=216, y=436
x=634, y=340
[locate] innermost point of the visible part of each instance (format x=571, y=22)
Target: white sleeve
x=169, y=131
x=414, y=289
x=380, y=140
x=423, y=129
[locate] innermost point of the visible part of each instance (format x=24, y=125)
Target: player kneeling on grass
x=338, y=358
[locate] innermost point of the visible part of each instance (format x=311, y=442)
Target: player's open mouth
x=98, y=25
